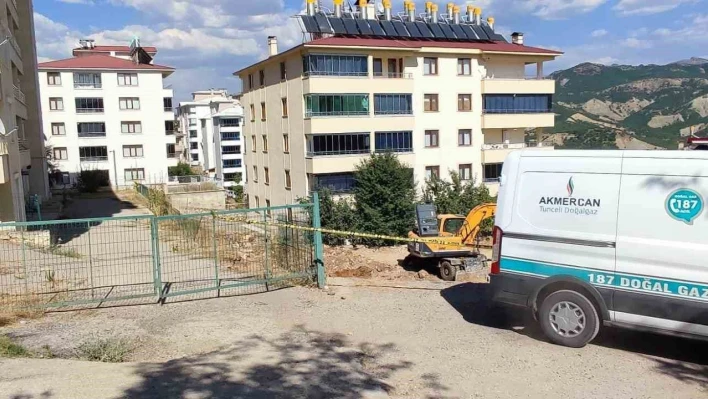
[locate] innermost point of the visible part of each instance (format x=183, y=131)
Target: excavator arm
x=473, y=222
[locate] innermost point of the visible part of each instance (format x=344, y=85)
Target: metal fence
x=154, y=258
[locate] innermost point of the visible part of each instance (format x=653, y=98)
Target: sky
x=207, y=40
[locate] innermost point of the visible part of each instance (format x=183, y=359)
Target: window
x=464, y=66
x=432, y=172
x=230, y=122
x=87, y=80
x=258, y=202
x=250, y=81
x=230, y=136
x=492, y=171
x=127, y=79
x=255, y=174
x=378, y=67
x=61, y=154
x=231, y=163
x=134, y=174
x=93, y=154
x=335, y=65
x=283, y=72
x=132, y=151
x=65, y=178
x=265, y=143
x=131, y=127
x=430, y=66
x=89, y=105
x=192, y=121
x=268, y=206
x=394, y=141
x=261, y=77
x=58, y=129
x=336, y=105
x=338, y=144
x=194, y=145
x=129, y=103
x=284, y=103
x=234, y=177
x=91, y=129
x=392, y=104
x=334, y=182
x=169, y=128
x=464, y=102
x=288, y=182
x=231, y=149
x=171, y=151
x=266, y=175
x=263, y=111
x=465, y=172
x=192, y=134
x=431, y=138
x=464, y=137
x=195, y=157
x=253, y=143
x=253, y=113
x=517, y=103
x=453, y=225
x=53, y=78
x=286, y=143
x=56, y=104
x=167, y=103
x=430, y=103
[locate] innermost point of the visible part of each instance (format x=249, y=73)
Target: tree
x=182, y=169
x=458, y=197
x=384, y=197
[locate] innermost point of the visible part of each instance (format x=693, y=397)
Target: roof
x=502, y=47
x=412, y=44
x=102, y=49
x=101, y=61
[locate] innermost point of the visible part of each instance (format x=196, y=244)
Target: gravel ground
x=431, y=340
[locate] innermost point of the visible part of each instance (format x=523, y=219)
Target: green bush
x=89, y=181
x=108, y=350
x=11, y=349
x=238, y=193
x=182, y=169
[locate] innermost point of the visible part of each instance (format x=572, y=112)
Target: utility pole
x=115, y=169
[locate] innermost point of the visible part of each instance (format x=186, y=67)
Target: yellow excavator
x=449, y=240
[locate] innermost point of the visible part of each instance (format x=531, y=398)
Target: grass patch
x=107, y=350
x=11, y=349
x=14, y=308
x=68, y=252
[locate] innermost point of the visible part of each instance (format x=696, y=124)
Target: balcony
x=529, y=85
x=5, y=32
x=393, y=75
x=517, y=119
x=344, y=163
x=172, y=155
x=497, y=152
x=94, y=159
x=95, y=85
x=91, y=135
x=18, y=94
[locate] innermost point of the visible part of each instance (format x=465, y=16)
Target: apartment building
x=23, y=167
x=444, y=94
x=212, y=122
x=107, y=109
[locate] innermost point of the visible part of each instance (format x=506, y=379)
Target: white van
x=614, y=238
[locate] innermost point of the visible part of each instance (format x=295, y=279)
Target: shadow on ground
x=299, y=363
x=679, y=358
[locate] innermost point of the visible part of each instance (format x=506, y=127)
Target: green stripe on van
x=620, y=281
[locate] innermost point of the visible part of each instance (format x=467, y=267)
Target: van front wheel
x=569, y=318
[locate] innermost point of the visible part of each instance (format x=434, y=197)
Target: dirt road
x=437, y=341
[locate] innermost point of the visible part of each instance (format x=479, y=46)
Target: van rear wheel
x=568, y=318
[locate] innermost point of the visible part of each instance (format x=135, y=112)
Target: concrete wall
x=198, y=200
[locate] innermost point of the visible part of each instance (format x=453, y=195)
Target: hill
x=656, y=104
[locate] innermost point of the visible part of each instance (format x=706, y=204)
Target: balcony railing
x=516, y=111
x=393, y=75
x=91, y=134
x=19, y=95
x=336, y=73
x=503, y=146
x=228, y=136
x=87, y=85
x=362, y=151
x=169, y=132
x=525, y=77
x=168, y=109
x=172, y=154
x=94, y=159
x=88, y=110
x=311, y=114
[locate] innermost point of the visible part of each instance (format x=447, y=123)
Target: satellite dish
x=4, y=132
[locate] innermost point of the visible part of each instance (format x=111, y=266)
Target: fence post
x=267, y=248
x=216, y=255
x=156, y=272
x=24, y=259
x=88, y=229
x=319, y=250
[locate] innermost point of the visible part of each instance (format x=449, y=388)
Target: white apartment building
x=211, y=124
x=317, y=110
x=23, y=167
x=107, y=108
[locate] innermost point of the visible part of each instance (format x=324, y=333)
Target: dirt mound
x=373, y=263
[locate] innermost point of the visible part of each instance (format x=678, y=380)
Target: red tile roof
x=100, y=61
x=415, y=44
x=102, y=49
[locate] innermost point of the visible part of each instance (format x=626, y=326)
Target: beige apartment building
x=23, y=165
x=313, y=112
